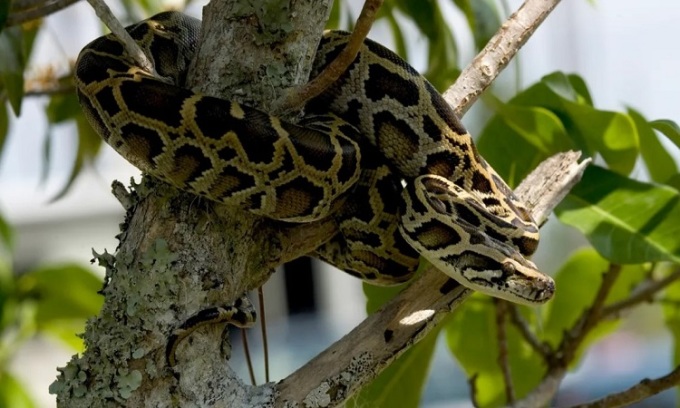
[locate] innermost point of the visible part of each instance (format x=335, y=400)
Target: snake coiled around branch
x=381, y=135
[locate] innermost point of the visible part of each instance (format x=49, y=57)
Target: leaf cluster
x=51, y=301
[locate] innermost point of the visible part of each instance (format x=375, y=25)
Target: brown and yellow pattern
x=381, y=138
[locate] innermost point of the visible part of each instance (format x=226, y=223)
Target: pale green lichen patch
x=108, y=261
x=159, y=257
x=71, y=379
x=278, y=75
x=138, y=353
x=128, y=382
x=273, y=16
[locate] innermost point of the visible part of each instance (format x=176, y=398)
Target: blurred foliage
x=51, y=301
x=626, y=206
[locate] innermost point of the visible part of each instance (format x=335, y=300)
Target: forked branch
x=361, y=355
x=295, y=98
x=338, y=372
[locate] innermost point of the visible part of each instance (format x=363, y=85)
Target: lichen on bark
x=179, y=254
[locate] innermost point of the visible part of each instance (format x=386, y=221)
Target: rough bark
x=179, y=254
x=340, y=370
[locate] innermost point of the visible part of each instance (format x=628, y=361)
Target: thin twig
x=19, y=17
x=559, y=360
x=501, y=307
x=106, y=16
x=590, y=317
x=644, y=389
x=27, y=4
x=249, y=360
x=340, y=370
x=296, y=97
x=541, y=395
x=263, y=327
x=497, y=53
x=646, y=294
x=49, y=91
x=516, y=318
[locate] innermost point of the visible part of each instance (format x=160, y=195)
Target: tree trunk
x=179, y=254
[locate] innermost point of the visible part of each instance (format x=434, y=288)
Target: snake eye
x=508, y=268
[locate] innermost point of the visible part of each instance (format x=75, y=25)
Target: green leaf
x=473, y=339
x=482, y=17
x=401, y=384
x=16, y=44
x=611, y=134
x=569, y=87
x=674, y=181
x=333, y=22
x=399, y=40
x=668, y=128
x=4, y=12
x=64, y=295
x=659, y=162
x=6, y=234
x=12, y=66
x=538, y=126
x=89, y=144
x=627, y=221
x=581, y=89
x=63, y=108
x=7, y=289
x=29, y=34
x=376, y=296
x=4, y=126
x=12, y=393
x=578, y=281
x=442, y=49
x=532, y=133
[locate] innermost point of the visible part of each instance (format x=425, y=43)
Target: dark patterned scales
x=380, y=127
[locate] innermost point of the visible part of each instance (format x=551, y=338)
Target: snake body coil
x=379, y=124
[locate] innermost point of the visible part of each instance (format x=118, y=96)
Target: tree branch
x=644, y=295
x=644, y=389
x=40, y=10
x=497, y=53
x=181, y=241
x=361, y=355
x=198, y=253
x=295, y=98
x=544, y=392
x=574, y=337
x=559, y=360
x=133, y=50
x=518, y=321
x=501, y=307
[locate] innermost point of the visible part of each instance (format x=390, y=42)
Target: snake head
x=448, y=227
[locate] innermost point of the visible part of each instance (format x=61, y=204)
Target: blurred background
x=627, y=52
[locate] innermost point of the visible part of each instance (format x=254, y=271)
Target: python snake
x=380, y=135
